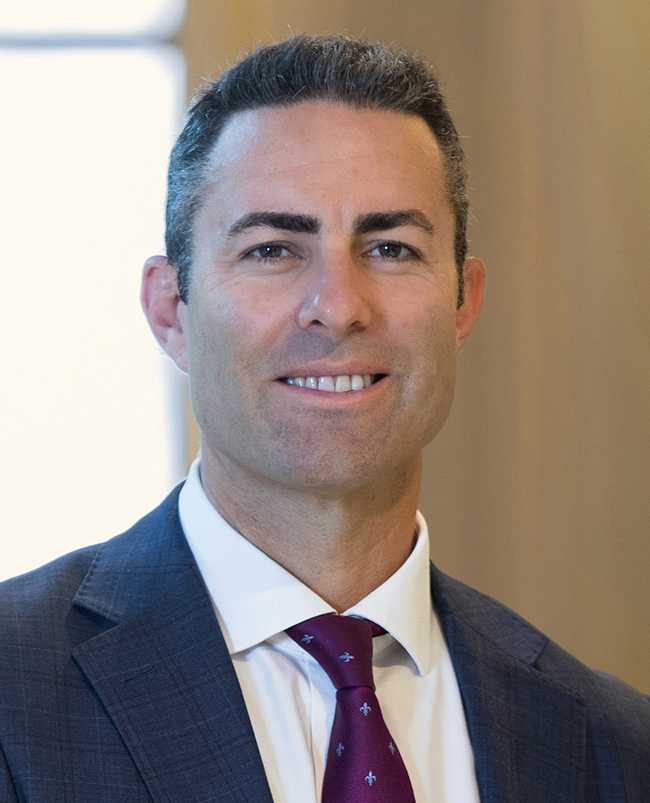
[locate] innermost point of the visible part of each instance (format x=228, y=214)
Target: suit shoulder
x=38, y=603
x=49, y=586
x=60, y=579
x=38, y=623
x=625, y=711
x=611, y=703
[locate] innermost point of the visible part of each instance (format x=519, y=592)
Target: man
x=316, y=290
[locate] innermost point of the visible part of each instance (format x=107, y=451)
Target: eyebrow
x=306, y=224
x=378, y=221
x=287, y=221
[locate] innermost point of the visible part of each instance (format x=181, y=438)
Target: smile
x=334, y=384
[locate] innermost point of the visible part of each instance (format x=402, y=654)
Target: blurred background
x=537, y=491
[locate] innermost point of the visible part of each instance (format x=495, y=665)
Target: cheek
x=431, y=342
x=248, y=303
x=210, y=349
x=427, y=328
x=231, y=334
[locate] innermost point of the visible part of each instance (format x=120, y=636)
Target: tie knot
x=342, y=645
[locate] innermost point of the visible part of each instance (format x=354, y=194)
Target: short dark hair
x=336, y=68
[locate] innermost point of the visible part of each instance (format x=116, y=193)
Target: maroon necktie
x=363, y=762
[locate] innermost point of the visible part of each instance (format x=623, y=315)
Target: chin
x=333, y=476
x=321, y=480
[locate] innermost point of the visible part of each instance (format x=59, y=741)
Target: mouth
x=342, y=383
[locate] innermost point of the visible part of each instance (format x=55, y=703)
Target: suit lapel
x=528, y=734
x=163, y=671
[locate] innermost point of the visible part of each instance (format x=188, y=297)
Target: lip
x=331, y=399
x=323, y=368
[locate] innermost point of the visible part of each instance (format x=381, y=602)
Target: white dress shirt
x=289, y=697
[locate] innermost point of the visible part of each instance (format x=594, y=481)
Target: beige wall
x=537, y=491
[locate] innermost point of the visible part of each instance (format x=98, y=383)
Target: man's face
x=324, y=249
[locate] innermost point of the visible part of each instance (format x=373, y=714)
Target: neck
x=341, y=545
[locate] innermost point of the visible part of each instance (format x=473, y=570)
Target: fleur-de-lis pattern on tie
x=363, y=763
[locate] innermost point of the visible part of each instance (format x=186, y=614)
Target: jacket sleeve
x=7, y=787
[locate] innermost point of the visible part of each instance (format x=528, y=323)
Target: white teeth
x=338, y=384
x=342, y=384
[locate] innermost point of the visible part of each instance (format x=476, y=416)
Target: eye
x=269, y=251
x=392, y=250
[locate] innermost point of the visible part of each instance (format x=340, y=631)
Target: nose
x=337, y=297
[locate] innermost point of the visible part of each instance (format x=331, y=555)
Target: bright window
x=86, y=426
x=44, y=18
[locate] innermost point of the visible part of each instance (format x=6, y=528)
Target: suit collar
x=162, y=669
x=528, y=733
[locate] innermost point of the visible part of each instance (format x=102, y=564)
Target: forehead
x=320, y=152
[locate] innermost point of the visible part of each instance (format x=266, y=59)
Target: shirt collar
x=255, y=598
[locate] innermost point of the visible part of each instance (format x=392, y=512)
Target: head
x=358, y=73
x=316, y=234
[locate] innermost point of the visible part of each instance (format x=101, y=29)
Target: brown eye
x=392, y=250
x=270, y=251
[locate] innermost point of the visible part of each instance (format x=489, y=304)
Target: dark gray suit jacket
x=116, y=686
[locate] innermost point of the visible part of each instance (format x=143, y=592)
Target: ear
x=164, y=309
x=474, y=274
